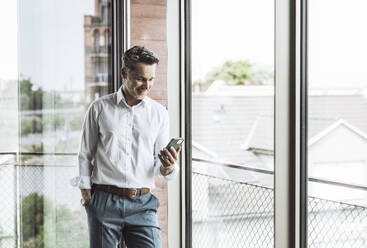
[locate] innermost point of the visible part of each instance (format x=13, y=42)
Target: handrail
x=233, y=165
x=41, y=153
x=269, y=172
x=223, y=164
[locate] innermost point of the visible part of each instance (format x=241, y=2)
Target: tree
x=71, y=232
x=32, y=220
x=33, y=97
x=236, y=73
x=30, y=96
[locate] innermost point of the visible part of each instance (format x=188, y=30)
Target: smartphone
x=175, y=142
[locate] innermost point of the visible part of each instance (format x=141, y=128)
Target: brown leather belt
x=120, y=191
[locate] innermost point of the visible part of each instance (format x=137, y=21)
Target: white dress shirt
x=120, y=144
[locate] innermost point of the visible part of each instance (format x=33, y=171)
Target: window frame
x=290, y=123
x=119, y=40
x=186, y=72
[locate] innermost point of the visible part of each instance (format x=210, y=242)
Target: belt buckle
x=136, y=192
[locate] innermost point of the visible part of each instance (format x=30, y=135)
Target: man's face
x=139, y=82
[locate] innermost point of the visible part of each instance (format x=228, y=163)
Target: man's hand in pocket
x=86, y=193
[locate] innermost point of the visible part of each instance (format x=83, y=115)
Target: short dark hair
x=138, y=54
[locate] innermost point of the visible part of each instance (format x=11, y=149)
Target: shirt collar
x=120, y=97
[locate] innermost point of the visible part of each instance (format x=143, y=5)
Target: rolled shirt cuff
x=82, y=182
x=170, y=176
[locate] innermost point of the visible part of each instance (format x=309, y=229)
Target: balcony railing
x=40, y=208
x=226, y=213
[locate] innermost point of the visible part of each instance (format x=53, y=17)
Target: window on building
x=107, y=38
x=96, y=40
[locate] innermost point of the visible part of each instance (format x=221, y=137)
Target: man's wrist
x=166, y=170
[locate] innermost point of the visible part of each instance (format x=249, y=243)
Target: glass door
x=337, y=124
x=64, y=64
x=232, y=102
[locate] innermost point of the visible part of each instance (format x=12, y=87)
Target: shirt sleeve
x=161, y=142
x=87, y=149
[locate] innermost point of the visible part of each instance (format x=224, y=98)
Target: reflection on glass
x=64, y=65
x=232, y=123
x=8, y=122
x=8, y=149
x=97, y=52
x=337, y=124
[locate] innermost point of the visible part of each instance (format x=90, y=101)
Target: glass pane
x=8, y=122
x=232, y=123
x=337, y=124
x=64, y=64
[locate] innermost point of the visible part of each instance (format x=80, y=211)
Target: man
x=122, y=149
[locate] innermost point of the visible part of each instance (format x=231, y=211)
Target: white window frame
x=290, y=181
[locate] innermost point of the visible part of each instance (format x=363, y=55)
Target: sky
x=49, y=44
x=8, y=40
x=236, y=30
x=244, y=30
x=51, y=52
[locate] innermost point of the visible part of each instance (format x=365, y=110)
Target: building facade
x=97, y=47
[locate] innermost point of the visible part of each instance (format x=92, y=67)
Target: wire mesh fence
x=231, y=214
x=333, y=224
x=49, y=215
x=225, y=213
x=7, y=206
x=235, y=214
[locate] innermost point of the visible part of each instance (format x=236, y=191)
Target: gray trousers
x=113, y=219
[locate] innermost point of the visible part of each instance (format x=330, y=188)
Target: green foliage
x=38, y=124
x=96, y=19
x=64, y=227
x=30, y=124
x=236, y=73
x=239, y=72
x=53, y=122
x=33, y=97
x=32, y=217
x=30, y=98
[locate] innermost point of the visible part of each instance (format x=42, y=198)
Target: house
x=236, y=122
x=235, y=125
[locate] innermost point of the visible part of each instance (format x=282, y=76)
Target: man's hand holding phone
x=169, y=155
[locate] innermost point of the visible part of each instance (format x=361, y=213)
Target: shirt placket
x=128, y=145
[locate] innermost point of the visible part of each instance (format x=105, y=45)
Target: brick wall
x=148, y=29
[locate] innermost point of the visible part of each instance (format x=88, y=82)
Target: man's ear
x=123, y=73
